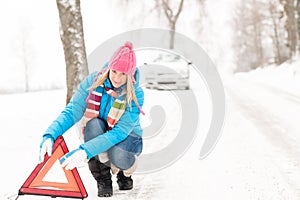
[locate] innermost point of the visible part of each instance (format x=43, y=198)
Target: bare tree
x=170, y=9
x=291, y=25
x=201, y=17
x=276, y=16
x=26, y=56
x=298, y=23
x=257, y=19
x=25, y=51
x=171, y=14
x=71, y=33
x=260, y=34
x=26, y=66
x=248, y=35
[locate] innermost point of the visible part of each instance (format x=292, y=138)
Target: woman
x=108, y=104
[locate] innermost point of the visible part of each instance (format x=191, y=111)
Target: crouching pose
x=107, y=104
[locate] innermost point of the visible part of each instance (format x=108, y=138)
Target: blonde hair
x=130, y=91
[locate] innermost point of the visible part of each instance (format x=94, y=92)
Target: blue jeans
x=122, y=155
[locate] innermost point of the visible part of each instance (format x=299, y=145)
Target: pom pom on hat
x=128, y=45
x=124, y=60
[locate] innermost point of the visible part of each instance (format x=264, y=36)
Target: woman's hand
x=45, y=147
x=73, y=159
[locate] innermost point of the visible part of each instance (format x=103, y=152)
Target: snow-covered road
x=257, y=156
x=275, y=113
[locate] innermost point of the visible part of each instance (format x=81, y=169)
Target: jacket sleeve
x=73, y=112
x=120, y=131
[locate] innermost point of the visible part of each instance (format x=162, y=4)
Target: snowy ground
x=257, y=156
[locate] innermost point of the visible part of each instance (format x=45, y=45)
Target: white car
x=161, y=77
x=166, y=72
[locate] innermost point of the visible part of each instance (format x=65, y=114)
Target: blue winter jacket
x=74, y=111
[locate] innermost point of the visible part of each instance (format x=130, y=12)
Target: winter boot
x=124, y=182
x=101, y=173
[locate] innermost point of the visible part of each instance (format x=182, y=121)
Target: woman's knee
x=120, y=158
x=94, y=128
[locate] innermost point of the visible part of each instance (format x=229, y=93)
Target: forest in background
x=239, y=36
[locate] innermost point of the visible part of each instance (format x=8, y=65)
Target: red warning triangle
x=37, y=185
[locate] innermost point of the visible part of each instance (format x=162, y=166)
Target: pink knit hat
x=124, y=60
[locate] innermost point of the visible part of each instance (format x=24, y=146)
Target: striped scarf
x=94, y=102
